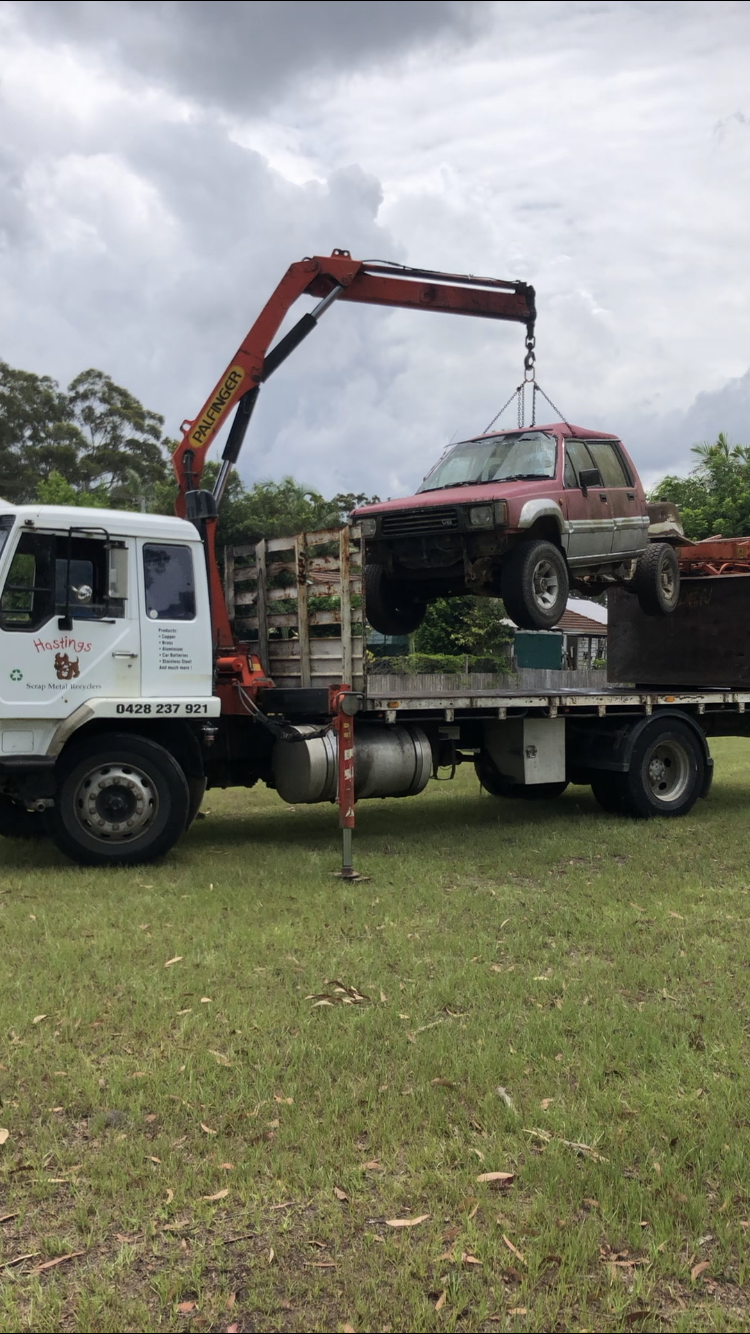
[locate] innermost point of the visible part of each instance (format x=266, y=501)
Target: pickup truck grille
x=412, y=523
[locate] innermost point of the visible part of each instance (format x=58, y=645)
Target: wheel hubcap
x=667, y=582
x=668, y=771
x=546, y=584
x=116, y=802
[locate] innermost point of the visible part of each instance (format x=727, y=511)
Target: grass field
x=551, y=993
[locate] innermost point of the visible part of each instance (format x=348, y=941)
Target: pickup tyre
x=388, y=613
x=657, y=580
x=535, y=585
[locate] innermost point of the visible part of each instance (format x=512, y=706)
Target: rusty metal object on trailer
x=665, y=524
x=716, y=556
x=705, y=643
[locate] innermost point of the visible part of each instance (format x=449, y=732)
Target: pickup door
x=630, y=524
x=589, y=515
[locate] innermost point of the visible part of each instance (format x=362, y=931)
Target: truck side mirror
x=589, y=477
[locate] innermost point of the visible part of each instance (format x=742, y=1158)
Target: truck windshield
x=498, y=458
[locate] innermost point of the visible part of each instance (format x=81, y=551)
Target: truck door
x=629, y=521
x=589, y=514
x=68, y=627
x=177, y=650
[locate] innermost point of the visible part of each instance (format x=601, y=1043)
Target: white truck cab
x=104, y=616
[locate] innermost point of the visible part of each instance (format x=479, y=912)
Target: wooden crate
x=297, y=602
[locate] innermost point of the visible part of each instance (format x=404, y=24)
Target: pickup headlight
x=501, y=513
x=481, y=516
x=369, y=527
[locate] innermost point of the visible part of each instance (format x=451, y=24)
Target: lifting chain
x=519, y=393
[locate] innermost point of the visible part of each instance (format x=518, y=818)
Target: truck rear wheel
x=666, y=774
x=387, y=612
x=535, y=585
x=121, y=800
x=657, y=580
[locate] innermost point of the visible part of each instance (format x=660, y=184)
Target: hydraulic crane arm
x=337, y=277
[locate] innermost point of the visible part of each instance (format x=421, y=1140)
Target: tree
x=465, y=624
x=715, y=497
x=124, y=450
x=38, y=435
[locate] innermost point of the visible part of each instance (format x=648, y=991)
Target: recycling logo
x=16, y=675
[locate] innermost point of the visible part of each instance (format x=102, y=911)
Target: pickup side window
x=607, y=459
x=577, y=459
x=169, y=582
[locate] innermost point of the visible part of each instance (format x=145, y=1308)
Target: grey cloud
x=670, y=438
x=242, y=55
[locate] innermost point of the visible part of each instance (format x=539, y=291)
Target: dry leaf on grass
x=514, y=1249
x=583, y=1150
x=220, y=1057
x=499, y=1178
x=517, y=1310
x=207, y=1129
x=372, y=1166
x=19, y=1259
x=406, y=1222
x=220, y=1195
x=545, y=1103
x=467, y=1259
x=320, y=1264
x=440, y=1303
x=278, y=1098
x=185, y=1307
x=271, y=1255
x=170, y=1197
x=177, y=959
x=4, y=1135
x=504, y=1095
x=341, y=1194
x=5, y=1218
x=38, y=1018
x=698, y=1269
x=341, y=994
x=347, y=1329
x=231, y=1300
x=59, y=1260
x=443, y=1083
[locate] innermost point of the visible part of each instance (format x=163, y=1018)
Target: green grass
x=595, y=969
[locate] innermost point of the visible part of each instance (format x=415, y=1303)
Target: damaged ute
x=524, y=515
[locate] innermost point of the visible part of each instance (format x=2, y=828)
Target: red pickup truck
x=522, y=515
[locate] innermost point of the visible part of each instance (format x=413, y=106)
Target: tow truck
x=132, y=676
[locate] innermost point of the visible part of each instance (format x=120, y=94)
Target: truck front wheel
x=121, y=800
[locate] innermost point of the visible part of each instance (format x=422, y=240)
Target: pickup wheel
x=17, y=822
x=121, y=800
x=535, y=585
x=388, y=612
x=657, y=580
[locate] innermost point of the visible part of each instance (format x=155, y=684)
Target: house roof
x=573, y=623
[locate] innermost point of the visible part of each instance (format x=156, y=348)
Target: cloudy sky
x=161, y=164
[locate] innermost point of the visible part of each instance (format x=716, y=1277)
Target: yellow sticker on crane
x=216, y=406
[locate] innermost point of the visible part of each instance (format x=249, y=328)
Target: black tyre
x=499, y=786
x=17, y=822
x=667, y=771
x=535, y=585
x=657, y=580
x=388, y=611
x=610, y=791
x=121, y=800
